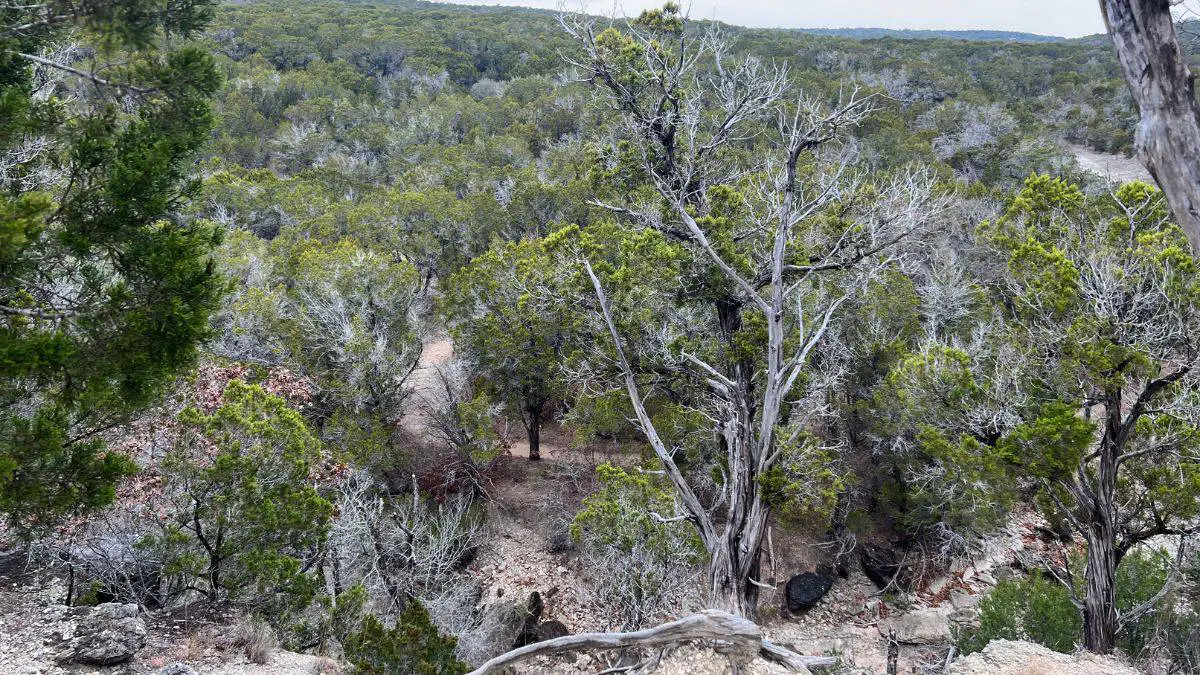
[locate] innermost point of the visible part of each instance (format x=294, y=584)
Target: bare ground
x=1115, y=168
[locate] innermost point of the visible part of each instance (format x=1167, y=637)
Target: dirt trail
x=437, y=351
x=1117, y=168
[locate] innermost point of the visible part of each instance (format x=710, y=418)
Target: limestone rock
x=110, y=633
x=1008, y=657
x=176, y=668
x=922, y=627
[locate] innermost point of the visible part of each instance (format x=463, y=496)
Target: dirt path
x=1117, y=168
x=437, y=351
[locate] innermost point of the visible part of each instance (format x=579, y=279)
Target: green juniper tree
x=104, y=291
x=245, y=521
x=510, y=326
x=1082, y=387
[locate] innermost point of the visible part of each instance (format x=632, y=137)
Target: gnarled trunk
x=1168, y=135
x=1100, y=601
x=732, y=573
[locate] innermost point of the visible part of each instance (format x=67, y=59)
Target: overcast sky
x=1069, y=18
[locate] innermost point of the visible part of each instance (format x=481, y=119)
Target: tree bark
x=1100, y=599
x=534, y=429
x=1168, y=135
x=741, y=638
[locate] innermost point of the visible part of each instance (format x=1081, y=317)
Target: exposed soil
x=1116, y=168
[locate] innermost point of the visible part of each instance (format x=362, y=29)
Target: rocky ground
x=526, y=553
x=38, y=634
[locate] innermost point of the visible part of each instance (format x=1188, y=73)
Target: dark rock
x=108, y=634
x=551, y=629
x=885, y=566
x=560, y=540
x=528, y=634
x=804, y=591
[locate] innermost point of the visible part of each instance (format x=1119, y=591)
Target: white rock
x=1007, y=657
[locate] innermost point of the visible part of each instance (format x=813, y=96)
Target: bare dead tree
x=687, y=106
x=1163, y=87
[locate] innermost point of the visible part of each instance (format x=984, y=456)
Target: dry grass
x=255, y=638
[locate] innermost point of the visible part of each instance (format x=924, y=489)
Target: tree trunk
x=534, y=427
x=1100, y=602
x=729, y=588
x=1168, y=136
x=724, y=589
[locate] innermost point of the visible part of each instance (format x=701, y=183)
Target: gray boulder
x=176, y=668
x=108, y=634
x=1008, y=657
x=922, y=627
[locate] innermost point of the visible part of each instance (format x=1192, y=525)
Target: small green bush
x=246, y=522
x=1141, y=574
x=1040, y=609
x=1034, y=609
x=412, y=647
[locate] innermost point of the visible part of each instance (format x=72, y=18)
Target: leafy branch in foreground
x=104, y=290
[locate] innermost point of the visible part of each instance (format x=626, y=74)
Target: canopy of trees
x=279, y=280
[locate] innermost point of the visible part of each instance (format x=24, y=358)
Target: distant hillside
x=980, y=35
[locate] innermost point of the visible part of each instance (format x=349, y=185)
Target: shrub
x=643, y=565
x=1034, y=609
x=412, y=647
x=256, y=638
x=1141, y=574
x=1040, y=609
x=244, y=521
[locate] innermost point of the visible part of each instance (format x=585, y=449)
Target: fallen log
x=739, y=638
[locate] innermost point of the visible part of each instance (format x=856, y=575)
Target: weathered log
x=741, y=639
x=1168, y=136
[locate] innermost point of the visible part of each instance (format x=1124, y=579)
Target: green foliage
x=1140, y=576
x=805, y=483
x=411, y=647
x=1052, y=443
x=1034, y=608
x=330, y=620
x=1039, y=609
x=247, y=518
x=508, y=320
x=628, y=532
x=949, y=473
x=619, y=514
x=104, y=292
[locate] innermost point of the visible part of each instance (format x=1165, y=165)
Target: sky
x=1068, y=18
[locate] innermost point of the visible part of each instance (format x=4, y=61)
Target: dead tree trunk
x=739, y=638
x=1168, y=135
